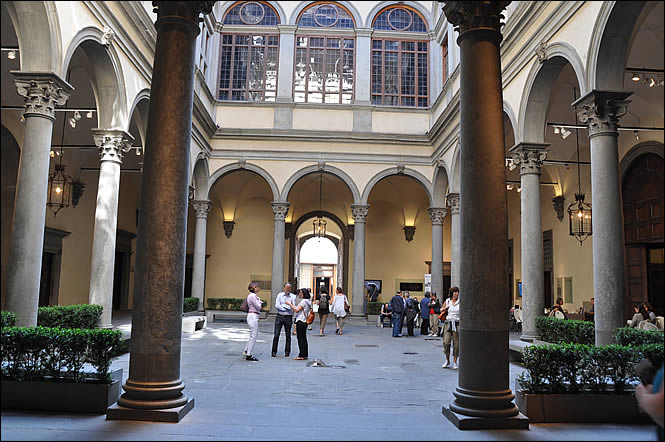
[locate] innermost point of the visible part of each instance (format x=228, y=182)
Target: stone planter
x=61, y=396
x=607, y=407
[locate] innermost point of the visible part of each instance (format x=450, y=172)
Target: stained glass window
x=326, y=15
x=251, y=13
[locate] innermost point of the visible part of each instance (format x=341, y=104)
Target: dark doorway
x=46, y=280
x=322, y=282
x=118, y=269
x=548, y=266
x=49, y=282
x=656, y=279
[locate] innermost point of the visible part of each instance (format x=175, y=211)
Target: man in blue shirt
x=397, y=305
x=284, y=319
x=424, y=313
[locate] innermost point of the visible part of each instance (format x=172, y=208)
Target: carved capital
x=107, y=37
x=112, y=144
x=190, y=193
x=472, y=15
x=359, y=212
x=280, y=210
x=453, y=203
x=541, y=52
x=529, y=156
x=437, y=214
x=601, y=110
x=202, y=208
x=41, y=92
x=182, y=10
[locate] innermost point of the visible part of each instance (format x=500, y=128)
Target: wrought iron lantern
x=319, y=223
x=579, y=212
x=59, y=189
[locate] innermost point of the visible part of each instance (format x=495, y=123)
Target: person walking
x=284, y=319
x=323, y=301
x=424, y=314
x=451, y=327
x=254, y=305
x=397, y=306
x=434, y=310
x=340, y=305
x=411, y=314
x=302, y=311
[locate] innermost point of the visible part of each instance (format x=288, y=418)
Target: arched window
x=400, y=64
x=324, y=64
x=249, y=60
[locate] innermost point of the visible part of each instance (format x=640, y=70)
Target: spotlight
x=557, y=130
x=88, y=115
x=519, y=189
x=52, y=154
x=22, y=119
x=11, y=55
x=565, y=134
x=509, y=187
x=138, y=151
x=637, y=136
x=74, y=119
x=636, y=77
x=652, y=82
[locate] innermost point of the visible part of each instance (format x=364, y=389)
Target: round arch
x=38, y=34
x=424, y=12
x=441, y=185
x=638, y=150
x=427, y=185
x=357, y=18
x=508, y=110
x=200, y=179
x=339, y=173
x=106, y=77
x=139, y=109
x=240, y=165
x=455, y=182
x=226, y=6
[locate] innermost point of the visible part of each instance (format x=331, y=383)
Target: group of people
x=292, y=307
x=403, y=308
x=642, y=312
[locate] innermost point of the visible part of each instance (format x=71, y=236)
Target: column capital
x=202, y=208
x=359, y=212
x=529, y=156
x=287, y=29
x=453, y=203
x=112, y=144
x=476, y=15
x=181, y=11
x=601, y=110
x=41, y=92
x=280, y=209
x=436, y=214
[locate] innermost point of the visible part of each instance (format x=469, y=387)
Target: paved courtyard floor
x=383, y=388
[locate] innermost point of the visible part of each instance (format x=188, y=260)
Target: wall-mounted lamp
x=409, y=231
x=558, y=202
x=228, y=228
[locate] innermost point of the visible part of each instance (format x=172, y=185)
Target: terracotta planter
x=61, y=396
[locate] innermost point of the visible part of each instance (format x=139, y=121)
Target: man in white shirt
x=284, y=319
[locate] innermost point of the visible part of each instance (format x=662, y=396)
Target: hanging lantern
x=579, y=216
x=320, y=227
x=59, y=189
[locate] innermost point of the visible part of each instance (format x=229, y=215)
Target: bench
x=211, y=315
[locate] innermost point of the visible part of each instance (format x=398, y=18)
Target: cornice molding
x=316, y=157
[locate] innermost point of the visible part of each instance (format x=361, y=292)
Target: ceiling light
x=52, y=154
x=652, y=82
x=138, y=151
x=11, y=55
x=565, y=134
x=89, y=114
x=509, y=187
x=74, y=119
x=637, y=136
x=557, y=130
x=636, y=77
x=519, y=189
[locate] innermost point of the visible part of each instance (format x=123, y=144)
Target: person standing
x=411, y=314
x=424, y=314
x=451, y=327
x=302, y=311
x=323, y=300
x=254, y=305
x=434, y=310
x=284, y=319
x=339, y=308
x=397, y=306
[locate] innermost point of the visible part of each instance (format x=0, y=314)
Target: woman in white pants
x=254, y=305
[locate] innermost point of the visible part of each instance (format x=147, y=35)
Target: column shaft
x=358, y=295
x=199, y=259
x=287, y=38
x=455, y=232
x=363, y=65
x=280, y=209
x=437, y=214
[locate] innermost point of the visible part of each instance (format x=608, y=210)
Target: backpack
x=323, y=302
x=244, y=307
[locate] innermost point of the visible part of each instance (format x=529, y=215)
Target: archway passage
x=318, y=263
x=643, y=229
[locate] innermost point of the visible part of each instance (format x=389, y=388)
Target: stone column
x=483, y=398
x=287, y=43
x=112, y=144
x=359, y=213
x=363, y=65
x=154, y=390
x=202, y=209
x=436, y=214
x=280, y=209
x=529, y=157
x=455, y=251
x=42, y=91
x=601, y=111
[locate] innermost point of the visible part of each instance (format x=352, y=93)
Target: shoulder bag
x=347, y=307
x=444, y=313
x=310, y=317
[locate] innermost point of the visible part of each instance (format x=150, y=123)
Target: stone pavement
x=383, y=389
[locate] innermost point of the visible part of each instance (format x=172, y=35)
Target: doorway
x=322, y=282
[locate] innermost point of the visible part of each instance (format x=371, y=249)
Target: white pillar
x=112, y=144
x=455, y=250
x=601, y=111
x=287, y=44
x=436, y=214
x=202, y=208
x=529, y=157
x=358, y=297
x=42, y=91
x=280, y=209
x=363, y=65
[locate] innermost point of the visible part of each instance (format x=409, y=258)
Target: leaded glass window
x=324, y=69
x=251, y=13
x=398, y=18
x=326, y=15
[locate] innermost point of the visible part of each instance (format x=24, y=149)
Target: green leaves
x=231, y=304
x=190, y=304
x=7, y=319
x=70, y=316
x=636, y=336
x=561, y=331
x=374, y=308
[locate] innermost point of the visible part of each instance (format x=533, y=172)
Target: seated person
x=637, y=317
x=386, y=312
x=648, y=313
x=558, y=307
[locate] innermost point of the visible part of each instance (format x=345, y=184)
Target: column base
x=463, y=422
x=528, y=338
x=118, y=412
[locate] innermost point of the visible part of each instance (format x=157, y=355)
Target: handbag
x=244, y=307
x=315, y=308
x=310, y=317
x=347, y=307
x=444, y=314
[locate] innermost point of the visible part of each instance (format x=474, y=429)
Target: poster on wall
x=428, y=282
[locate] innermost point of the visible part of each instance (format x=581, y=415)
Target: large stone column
x=359, y=213
x=483, y=398
x=202, y=208
x=436, y=214
x=601, y=111
x=455, y=251
x=154, y=390
x=363, y=65
x=112, y=144
x=529, y=157
x=42, y=91
x=280, y=209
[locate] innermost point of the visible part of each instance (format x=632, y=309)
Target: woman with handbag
x=253, y=303
x=340, y=306
x=304, y=316
x=451, y=327
x=323, y=304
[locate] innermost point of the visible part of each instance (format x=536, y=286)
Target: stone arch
x=649, y=146
x=106, y=77
x=241, y=165
x=325, y=168
x=348, y=5
x=200, y=178
x=455, y=182
x=427, y=185
x=440, y=186
x=424, y=12
x=538, y=90
x=226, y=6
x=508, y=110
x=38, y=33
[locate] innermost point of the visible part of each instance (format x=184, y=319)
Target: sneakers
x=445, y=364
x=455, y=366
x=250, y=358
x=337, y=331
